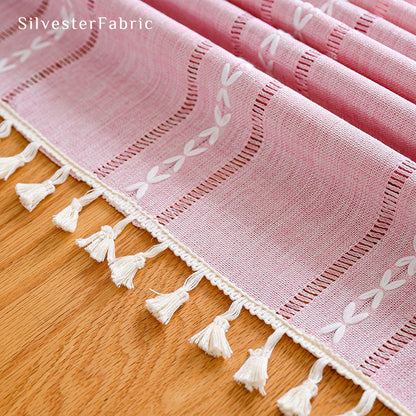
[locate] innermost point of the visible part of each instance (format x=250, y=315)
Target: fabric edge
x=126, y=206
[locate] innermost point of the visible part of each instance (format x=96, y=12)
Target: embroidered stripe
x=382, y=7
x=302, y=70
x=266, y=11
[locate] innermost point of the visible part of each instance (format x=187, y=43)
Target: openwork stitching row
x=335, y=39
x=91, y=5
x=62, y=63
x=382, y=7
x=390, y=348
x=364, y=22
x=303, y=67
x=236, y=31
x=266, y=10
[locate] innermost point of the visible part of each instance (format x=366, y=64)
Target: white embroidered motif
x=189, y=149
x=227, y=80
x=348, y=319
x=376, y=294
x=40, y=42
x=223, y=95
x=328, y=7
x=34, y=46
x=409, y=261
x=141, y=188
x=4, y=67
x=213, y=132
x=298, y=22
x=152, y=177
x=272, y=40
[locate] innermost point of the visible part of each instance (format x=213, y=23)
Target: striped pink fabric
x=371, y=25
x=318, y=77
x=333, y=38
x=399, y=12
x=285, y=165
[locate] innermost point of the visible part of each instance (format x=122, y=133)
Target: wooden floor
x=72, y=343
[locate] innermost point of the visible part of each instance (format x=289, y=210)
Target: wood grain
x=73, y=344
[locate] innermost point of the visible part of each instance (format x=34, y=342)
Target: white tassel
x=67, y=219
x=212, y=339
x=30, y=194
x=8, y=165
x=297, y=401
x=253, y=373
x=162, y=307
x=364, y=406
x=125, y=268
x=101, y=244
x=5, y=129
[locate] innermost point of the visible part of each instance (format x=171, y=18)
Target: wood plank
x=74, y=344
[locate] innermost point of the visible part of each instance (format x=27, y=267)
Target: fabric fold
x=351, y=96
x=335, y=39
x=372, y=25
x=268, y=186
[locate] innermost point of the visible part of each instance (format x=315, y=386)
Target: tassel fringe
x=297, y=402
x=125, y=268
x=253, y=373
x=163, y=307
x=101, y=244
x=9, y=165
x=67, y=219
x=212, y=339
x=364, y=406
x=5, y=129
x=30, y=194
